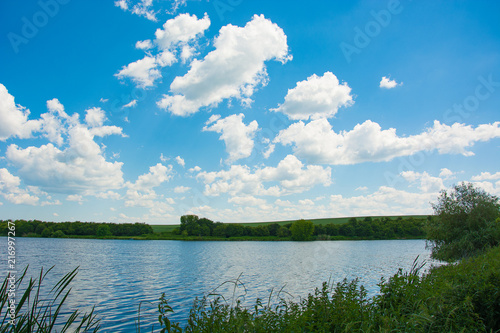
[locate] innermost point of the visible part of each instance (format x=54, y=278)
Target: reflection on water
x=117, y=275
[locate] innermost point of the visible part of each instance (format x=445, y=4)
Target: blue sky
x=238, y=110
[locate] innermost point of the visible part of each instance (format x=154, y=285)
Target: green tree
x=47, y=232
x=465, y=223
x=103, y=230
x=189, y=223
x=283, y=232
x=58, y=234
x=302, y=230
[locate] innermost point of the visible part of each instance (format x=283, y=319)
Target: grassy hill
x=335, y=220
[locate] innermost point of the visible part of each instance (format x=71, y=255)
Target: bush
x=58, y=234
x=302, y=230
x=454, y=298
x=465, y=223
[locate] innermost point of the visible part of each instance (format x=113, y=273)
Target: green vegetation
x=32, y=312
x=461, y=297
x=453, y=298
x=194, y=228
x=302, y=230
x=467, y=222
x=37, y=228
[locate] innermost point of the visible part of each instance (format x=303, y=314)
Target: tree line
x=366, y=228
x=36, y=228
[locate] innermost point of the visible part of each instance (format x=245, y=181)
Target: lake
x=116, y=275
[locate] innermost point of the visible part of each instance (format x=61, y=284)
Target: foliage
x=454, y=298
x=34, y=313
x=302, y=230
x=103, y=230
x=465, y=223
x=65, y=229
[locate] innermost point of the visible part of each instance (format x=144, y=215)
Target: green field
x=335, y=220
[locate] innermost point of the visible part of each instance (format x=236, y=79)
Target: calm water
x=116, y=275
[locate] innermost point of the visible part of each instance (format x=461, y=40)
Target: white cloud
x=14, y=118
x=247, y=200
x=144, y=44
x=78, y=167
x=181, y=189
x=237, y=136
x=130, y=104
x=123, y=4
x=181, y=30
x=446, y=173
x=233, y=70
x=195, y=169
x=141, y=8
x=141, y=193
x=143, y=72
x=316, y=97
x=387, y=83
x=367, y=142
x=75, y=198
x=426, y=182
x=157, y=174
x=180, y=161
x=384, y=201
x=486, y=176
x=9, y=189
x=290, y=176
x=55, y=106
x=108, y=195
x=95, y=117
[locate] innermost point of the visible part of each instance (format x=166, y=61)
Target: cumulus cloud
x=141, y=193
x=10, y=190
x=181, y=189
x=316, y=97
x=143, y=72
x=14, y=118
x=486, y=176
x=180, y=32
x=387, y=83
x=144, y=44
x=180, y=161
x=78, y=163
x=145, y=9
x=141, y=8
x=155, y=177
x=289, y=176
x=317, y=142
x=446, y=173
x=237, y=136
x=426, y=182
x=247, y=200
x=130, y=104
x=233, y=70
x=384, y=201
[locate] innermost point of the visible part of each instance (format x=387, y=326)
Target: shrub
x=465, y=223
x=302, y=230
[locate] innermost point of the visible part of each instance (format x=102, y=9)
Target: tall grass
x=463, y=297
x=35, y=313
x=453, y=298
